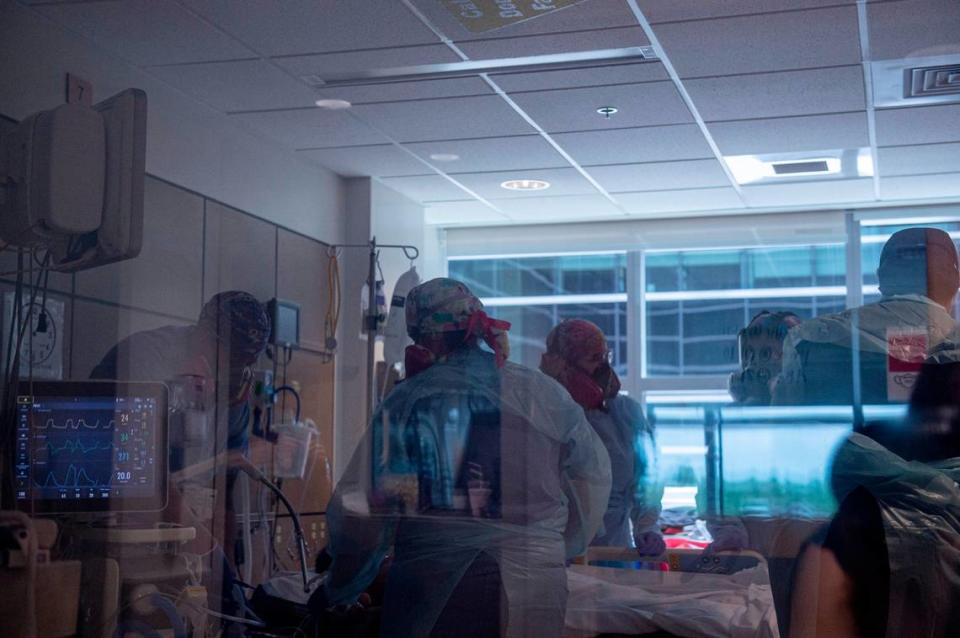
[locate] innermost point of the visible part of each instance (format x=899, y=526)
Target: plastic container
x=293, y=448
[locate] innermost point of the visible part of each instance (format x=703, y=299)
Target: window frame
x=636, y=247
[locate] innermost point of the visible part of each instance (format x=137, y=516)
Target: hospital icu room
x=479, y=318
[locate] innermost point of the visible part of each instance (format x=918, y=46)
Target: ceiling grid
x=738, y=79
x=865, y=56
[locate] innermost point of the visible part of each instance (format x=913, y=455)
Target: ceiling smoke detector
x=525, y=185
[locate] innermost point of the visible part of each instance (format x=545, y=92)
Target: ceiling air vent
x=802, y=168
x=932, y=80
x=916, y=81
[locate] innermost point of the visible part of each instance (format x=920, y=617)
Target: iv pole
x=372, y=319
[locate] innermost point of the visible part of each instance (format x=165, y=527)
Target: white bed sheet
x=628, y=601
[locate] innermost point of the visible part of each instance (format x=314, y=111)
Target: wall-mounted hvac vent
x=932, y=80
x=916, y=81
x=801, y=168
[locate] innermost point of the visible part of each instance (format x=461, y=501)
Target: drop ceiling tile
x=784, y=135
x=452, y=118
x=625, y=146
x=588, y=76
x=425, y=188
x=310, y=128
x=238, y=85
x=679, y=201
x=493, y=154
x=589, y=14
x=563, y=181
x=918, y=125
x=757, y=43
x=350, y=62
x=673, y=11
x=468, y=211
x=913, y=28
x=555, y=209
x=146, y=31
x=616, y=38
x=384, y=160
x=649, y=104
x=920, y=186
x=400, y=91
x=660, y=175
x=738, y=97
x=309, y=26
x=825, y=192
x=915, y=160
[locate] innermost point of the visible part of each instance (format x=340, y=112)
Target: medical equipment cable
x=17, y=322
x=296, y=395
x=215, y=614
x=331, y=321
x=294, y=517
x=246, y=535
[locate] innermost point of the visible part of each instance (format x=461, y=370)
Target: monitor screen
x=91, y=446
x=285, y=323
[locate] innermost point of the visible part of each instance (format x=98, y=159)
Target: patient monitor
x=91, y=446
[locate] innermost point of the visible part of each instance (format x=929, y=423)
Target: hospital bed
x=725, y=594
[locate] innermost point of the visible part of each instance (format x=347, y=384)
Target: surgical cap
x=236, y=317
x=575, y=339
x=440, y=305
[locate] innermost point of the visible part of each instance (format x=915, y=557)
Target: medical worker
x=220, y=348
x=483, y=476
x=889, y=564
x=577, y=356
x=918, y=277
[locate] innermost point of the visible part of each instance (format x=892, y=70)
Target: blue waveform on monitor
x=71, y=446
x=76, y=424
x=75, y=477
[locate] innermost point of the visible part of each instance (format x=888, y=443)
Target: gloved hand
x=650, y=543
x=319, y=602
x=728, y=536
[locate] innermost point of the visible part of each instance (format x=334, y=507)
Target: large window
x=696, y=301
x=714, y=456
x=536, y=293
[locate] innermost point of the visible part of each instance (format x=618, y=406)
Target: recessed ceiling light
x=333, y=105
x=444, y=157
x=865, y=163
x=525, y=185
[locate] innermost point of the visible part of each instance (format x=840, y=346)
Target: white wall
x=372, y=210
x=187, y=143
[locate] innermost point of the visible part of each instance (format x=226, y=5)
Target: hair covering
x=570, y=342
x=239, y=320
x=771, y=324
x=761, y=356
x=445, y=305
x=903, y=261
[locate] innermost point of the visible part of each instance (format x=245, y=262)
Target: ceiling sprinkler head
x=607, y=111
